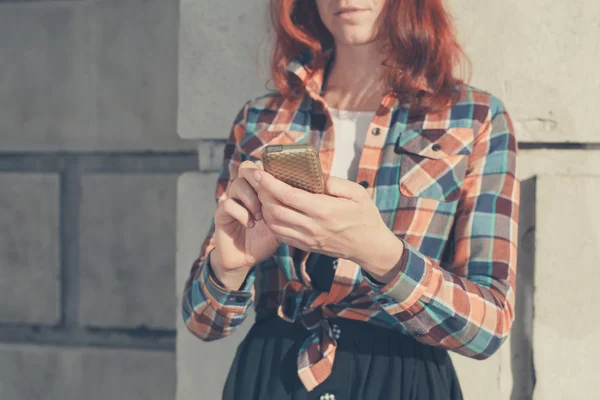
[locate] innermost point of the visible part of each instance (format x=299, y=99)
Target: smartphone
x=296, y=164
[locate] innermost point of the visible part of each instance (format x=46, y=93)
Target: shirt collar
x=310, y=69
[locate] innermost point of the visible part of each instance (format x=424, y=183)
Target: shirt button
x=364, y=184
x=436, y=147
x=327, y=396
x=336, y=331
x=376, y=131
x=382, y=300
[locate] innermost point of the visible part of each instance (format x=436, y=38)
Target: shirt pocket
x=433, y=162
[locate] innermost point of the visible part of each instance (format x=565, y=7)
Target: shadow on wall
x=521, y=339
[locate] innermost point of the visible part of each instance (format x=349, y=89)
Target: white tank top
x=350, y=133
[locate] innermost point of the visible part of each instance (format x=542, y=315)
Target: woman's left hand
x=344, y=222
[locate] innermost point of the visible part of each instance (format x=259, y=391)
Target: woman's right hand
x=242, y=238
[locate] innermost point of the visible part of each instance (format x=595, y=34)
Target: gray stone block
x=222, y=48
x=221, y=42
x=95, y=76
x=195, y=208
x=44, y=96
x=566, y=327
x=37, y=372
x=29, y=249
x=136, y=66
x=126, y=375
x=127, y=232
x=549, y=86
x=51, y=373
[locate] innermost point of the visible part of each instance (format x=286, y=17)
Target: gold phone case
x=296, y=164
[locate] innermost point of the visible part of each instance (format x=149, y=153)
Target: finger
x=241, y=190
x=320, y=206
x=248, y=164
x=290, y=196
x=267, y=200
x=279, y=214
x=338, y=187
x=230, y=210
x=246, y=170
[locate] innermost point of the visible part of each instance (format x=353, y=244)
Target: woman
x=360, y=292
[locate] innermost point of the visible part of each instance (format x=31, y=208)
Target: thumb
x=338, y=187
x=246, y=170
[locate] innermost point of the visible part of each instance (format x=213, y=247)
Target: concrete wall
x=537, y=57
x=89, y=161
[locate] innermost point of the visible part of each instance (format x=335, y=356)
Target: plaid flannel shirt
x=443, y=182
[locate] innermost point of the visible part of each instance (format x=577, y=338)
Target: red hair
x=420, y=47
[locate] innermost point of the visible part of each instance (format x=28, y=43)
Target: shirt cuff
x=408, y=286
x=222, y=297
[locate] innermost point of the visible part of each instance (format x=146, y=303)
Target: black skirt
x=371, y=363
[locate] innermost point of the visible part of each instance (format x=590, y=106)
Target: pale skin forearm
x=346, y=224
x=231, y=279
x=378, y=254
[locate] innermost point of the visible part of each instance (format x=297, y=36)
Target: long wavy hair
x=417, y=38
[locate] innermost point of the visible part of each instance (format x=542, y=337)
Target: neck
x=355, y=66
x=354, y=80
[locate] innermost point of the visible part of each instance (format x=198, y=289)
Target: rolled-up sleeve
x=469, y=306
x=209, y=310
